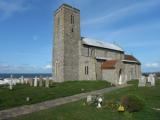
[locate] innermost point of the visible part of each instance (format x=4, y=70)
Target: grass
x=18, y=95
x=77, y=111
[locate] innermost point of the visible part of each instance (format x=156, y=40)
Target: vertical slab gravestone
x=142, y=82
x=47, y=83
x=22, y=80
x=11, y=83
x=89, y=99
x=35, y=81
x=40, y=82
x=151, y=79
x=30, y=81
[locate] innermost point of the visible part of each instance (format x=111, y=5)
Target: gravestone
x=89, y=99
x=47, y=83
x=25, y=80
x=40, y=82
x=22, y=80
x=11, y=83
x=142, y=81
x=99, y=105
x=151, y=79
x=30, y=81
x=35, y=81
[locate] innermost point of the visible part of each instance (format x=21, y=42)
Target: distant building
x=80, y=58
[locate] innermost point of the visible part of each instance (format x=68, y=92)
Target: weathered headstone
x=151, y=79
x=89, y=99
x=35, y=81
x=142, y=81
x=47, y=83
x=30, y=81
x=40, y=82
x=25, y=80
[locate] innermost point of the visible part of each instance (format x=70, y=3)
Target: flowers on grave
x=121, y=108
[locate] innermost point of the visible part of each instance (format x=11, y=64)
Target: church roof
x=97, y=43
x=109, y=64
x=130, y=58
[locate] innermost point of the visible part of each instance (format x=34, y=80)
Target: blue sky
x=26, y=30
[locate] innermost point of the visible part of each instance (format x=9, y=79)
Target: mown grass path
x=6, y=114
x=78, y=111
x=17, y=96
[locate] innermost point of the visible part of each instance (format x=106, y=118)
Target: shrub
x=132, y=103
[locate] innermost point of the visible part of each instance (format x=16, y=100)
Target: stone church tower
x=66, y=43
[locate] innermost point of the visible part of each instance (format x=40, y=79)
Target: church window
x=72, y=19
x=58, y=21
x=72, y=30
x=88, y=51
x=86, y=70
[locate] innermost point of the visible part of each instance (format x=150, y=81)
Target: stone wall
x=101, y=52
x=132, y=71
x=90, y=62
x=110, y=76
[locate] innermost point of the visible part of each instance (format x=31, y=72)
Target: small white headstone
x=11, y=83
x=35, y=81
x=14, y=81
x=151, y=79
x=89, y=98
x=27, y=99
x=142, y=81
x=22, y=80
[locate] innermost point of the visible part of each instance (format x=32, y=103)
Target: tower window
x=72, y=30
x=72, y=19
x=58, y=21
x=86, y=70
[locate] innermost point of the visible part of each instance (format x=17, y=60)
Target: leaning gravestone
x=142, y=81
x=151, y=79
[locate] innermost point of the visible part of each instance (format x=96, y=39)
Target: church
x=82, y=58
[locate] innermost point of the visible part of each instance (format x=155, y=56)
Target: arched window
x=72, y=19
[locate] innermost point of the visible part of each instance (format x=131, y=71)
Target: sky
x=26, y=31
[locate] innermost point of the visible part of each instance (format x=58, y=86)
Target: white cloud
x=48, y=66
x=5, y=68
x=120, y=13
x=10, y=7
x=152, y=65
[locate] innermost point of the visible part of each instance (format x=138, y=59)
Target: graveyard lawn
x=79, y=111
x=17, y=96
